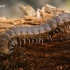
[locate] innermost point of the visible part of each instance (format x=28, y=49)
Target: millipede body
x=49, y=26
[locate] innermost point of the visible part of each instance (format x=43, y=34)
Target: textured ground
x=53, y=55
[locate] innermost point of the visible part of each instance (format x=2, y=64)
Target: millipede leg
x=29, y=41
x=24, y=41
x=12, y=42
x=11, y=47
x=57, y=30
x=61, y=39
x=54, y=32
x=11, y=51
x=47, y=37
x=39, y=40
x=20, y=42
x=42, y=41
x=36, y=41
x=67, y=26
x=50, y=37
x=32, y=41
x=16, y=43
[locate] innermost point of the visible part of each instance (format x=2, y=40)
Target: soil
x=53, y=55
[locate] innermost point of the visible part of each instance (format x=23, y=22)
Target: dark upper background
x=11, y=9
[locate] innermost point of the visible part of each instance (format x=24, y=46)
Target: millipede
x=15, y=34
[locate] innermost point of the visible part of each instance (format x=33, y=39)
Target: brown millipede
x=33, y=34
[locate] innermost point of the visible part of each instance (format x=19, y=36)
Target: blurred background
x=9, y=8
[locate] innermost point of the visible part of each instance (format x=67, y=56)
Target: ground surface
x=53, y=55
